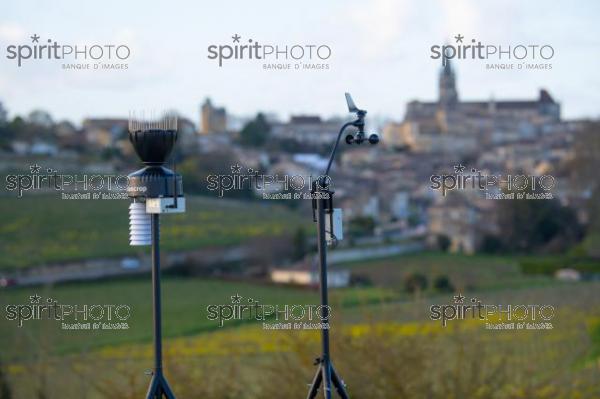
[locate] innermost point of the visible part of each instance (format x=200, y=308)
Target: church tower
x=447, y=85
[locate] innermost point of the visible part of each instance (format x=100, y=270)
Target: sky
x=380, y=52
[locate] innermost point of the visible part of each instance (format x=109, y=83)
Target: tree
x=537, y=224
x=40, y=118
x=491, y=244
x=300, y=244
x=583, y=173
x=361, y=225
x=442, y=283
x=256, y=132
x=211, y=174
x=3, y=115
x=5, y=389
x=10, y=131
x=443, y=242
x=415, y=282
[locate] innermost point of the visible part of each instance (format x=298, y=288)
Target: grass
x=550, y=264
x=185, y=302
x=388, y=357
x=466, y=272
x=384, y=342
x=184, y=309
x=185, y=299
x=68, y=230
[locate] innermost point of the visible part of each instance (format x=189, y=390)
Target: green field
x=184, y=303
x=465, y=272
x=383, y=340
x=185, y=299
x=66, y=230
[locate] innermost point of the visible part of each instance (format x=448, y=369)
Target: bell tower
x=447, y=85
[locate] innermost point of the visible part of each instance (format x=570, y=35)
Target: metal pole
x=322, y=244
x=156, y=296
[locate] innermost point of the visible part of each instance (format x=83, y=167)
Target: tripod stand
x=159, y=387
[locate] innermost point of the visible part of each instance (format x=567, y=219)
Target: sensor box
x=165, y=205
x=337, y=232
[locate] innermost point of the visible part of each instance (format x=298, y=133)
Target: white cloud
x=460, y=16
x=11, y=32
x=379, y=24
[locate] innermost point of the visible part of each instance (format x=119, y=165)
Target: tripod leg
x=314, y=387
x=153, y=388
x=167, y=389
x=338, y=384
x=326, y=380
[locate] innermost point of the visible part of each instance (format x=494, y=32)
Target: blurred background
x=406, y=246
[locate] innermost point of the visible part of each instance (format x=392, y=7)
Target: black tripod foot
x=159, y=388
x=338, y=383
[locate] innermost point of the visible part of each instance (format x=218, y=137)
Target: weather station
x=155, y=190
x=329, y=232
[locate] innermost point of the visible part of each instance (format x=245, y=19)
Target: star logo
x=459, y=38
x=236, y=38
x=236, y=298
x=236, y=169
x=35, y=169
x=459, y=168
x=459, y=298
x=35, y=38
x=35, y=298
